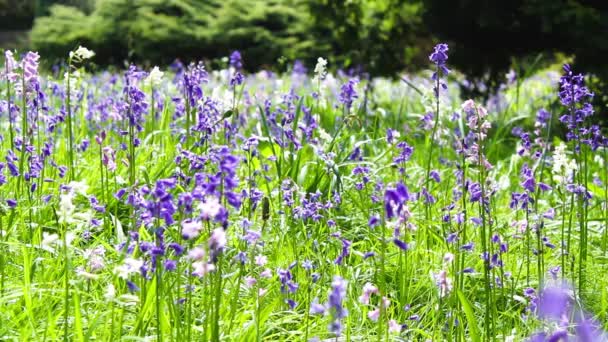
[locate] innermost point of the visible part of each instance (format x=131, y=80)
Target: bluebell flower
x=439, y=57
x=348, y=93
x=236, y=60
x=402, y=245
x=335, y=304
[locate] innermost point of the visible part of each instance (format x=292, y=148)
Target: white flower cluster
x=155, y=76
x=563, y=167
x=320, y=69
x=128, y=267
x=67, y=210
x=75, y=80
x=81, y=54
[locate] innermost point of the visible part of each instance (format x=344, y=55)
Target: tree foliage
x=488, y=36
x=158, y=31
x=384, y=35
x=16, y=14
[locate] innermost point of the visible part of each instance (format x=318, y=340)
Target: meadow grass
x=207, y=205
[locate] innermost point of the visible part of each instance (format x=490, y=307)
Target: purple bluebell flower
x=29, y=65
x=395, y=199
x=468, y=270
x=286, y=279
x=170, y=265
x=348, y=93
x=374, y=221
x=554, y=302
x=405, y=153
x=344, y=252
x=434, y=174
x=542, y=117
x=237, y=79
x=467, y=247
x=335, y=304
x=402, y=245
x=439, y=57
x=236, y=60
x=474, y=192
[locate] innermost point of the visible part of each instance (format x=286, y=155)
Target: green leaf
x=228, y=113
x=468, y=311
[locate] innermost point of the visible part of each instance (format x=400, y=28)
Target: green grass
x=219, y=306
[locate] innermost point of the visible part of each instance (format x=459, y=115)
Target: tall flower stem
x=69, y=121
x=461, y=255
x=381, y=283
x=215, y=331
x=66, y=286
x=8, y=110
x=605, y=233
x=485, y=234
x=431, y=146
x=131, y=118
x=158, y=292
x=3, y=258
x=582, y=270
x=187, y=100
x=24, y=126
x=540, y=226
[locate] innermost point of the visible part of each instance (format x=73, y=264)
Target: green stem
x=66, y=286
x=69, y=122
x=8, y=101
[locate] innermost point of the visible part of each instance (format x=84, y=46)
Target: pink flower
x=373, y=315
x=191, y=229
x=196, y=254
x=393, y=326
x=368, y=289
x=201, y=268
x=217, y=241
x=250, y=281
x=261, y=260
x=448, y=258
x=444, y=284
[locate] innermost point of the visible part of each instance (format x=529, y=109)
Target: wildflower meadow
x=190, y=204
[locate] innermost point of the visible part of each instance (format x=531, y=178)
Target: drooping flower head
x=335, y=304
x=237, y=79
x=439, y=57
x=236, y=60
x=348, y=93
x=10, y=64
x=81, y=54
x=320, y=69
x=299, y=68
x=573, y=94
x=29, y=64
x=395, y=199
x=155, y=76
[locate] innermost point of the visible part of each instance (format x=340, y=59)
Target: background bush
x=383, y=37
x=374, y=34
x=494, y=36
x=158, y=31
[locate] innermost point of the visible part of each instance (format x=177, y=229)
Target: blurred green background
x=382, y=37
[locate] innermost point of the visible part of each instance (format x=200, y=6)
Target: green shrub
x=158, y=31
x=375, y=34
x=384, y=36
x=62, y=31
